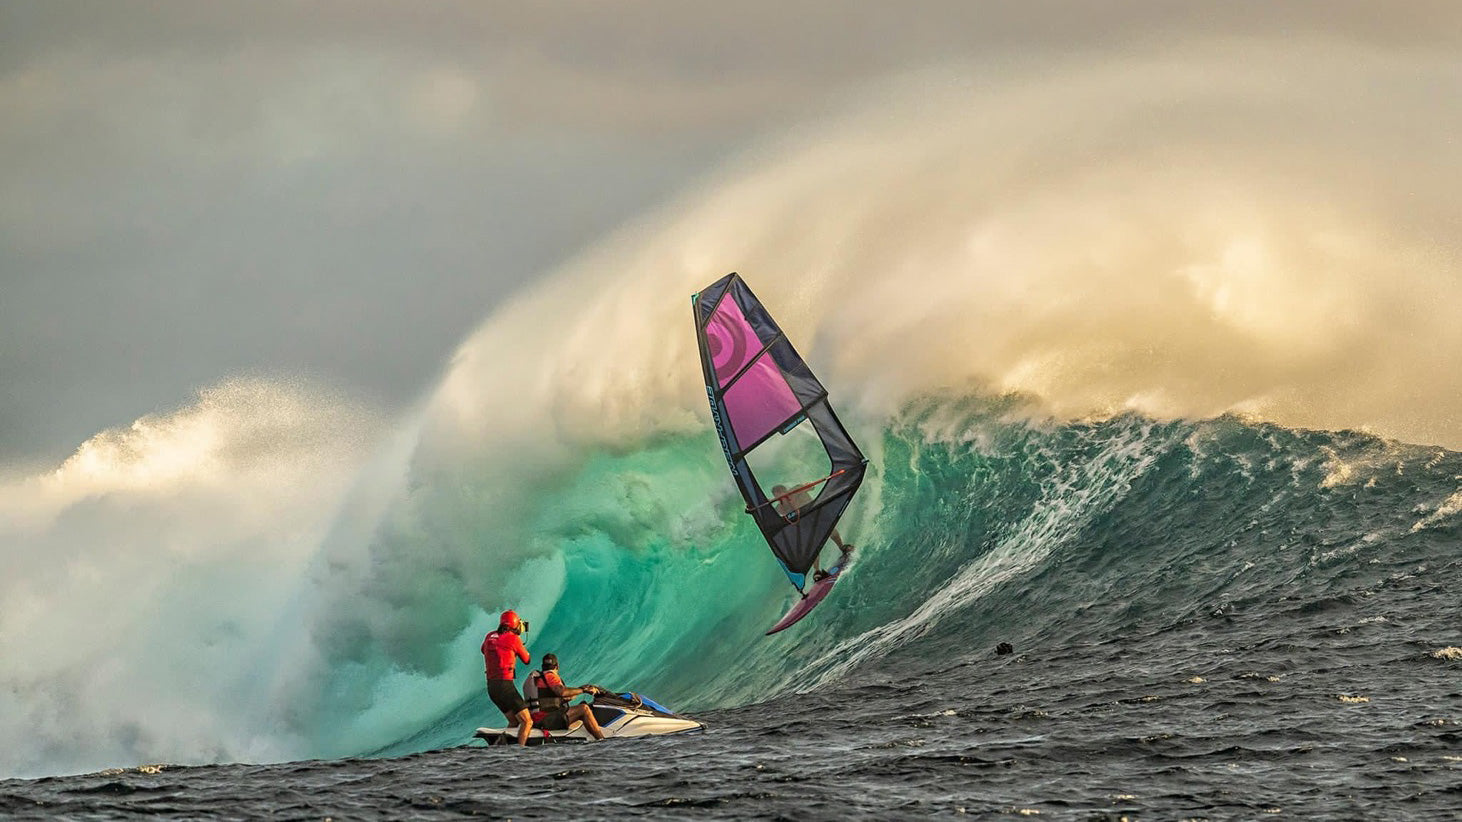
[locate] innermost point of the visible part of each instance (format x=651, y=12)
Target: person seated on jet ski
x=790, y=504
x=548, y=700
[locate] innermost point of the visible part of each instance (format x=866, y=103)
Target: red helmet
x=508, y=620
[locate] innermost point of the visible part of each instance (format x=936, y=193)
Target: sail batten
x=764, y=399
x=787, y=425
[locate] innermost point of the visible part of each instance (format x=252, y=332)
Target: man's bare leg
x=524, y=721
x=838, y=541
x=585, y=714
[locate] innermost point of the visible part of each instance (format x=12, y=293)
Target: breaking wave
x=1126, y=343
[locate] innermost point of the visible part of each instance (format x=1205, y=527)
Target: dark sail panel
x=761, y=392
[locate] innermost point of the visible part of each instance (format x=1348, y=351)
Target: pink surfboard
x=809, y=600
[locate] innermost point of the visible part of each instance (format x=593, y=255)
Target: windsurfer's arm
x=523, y=652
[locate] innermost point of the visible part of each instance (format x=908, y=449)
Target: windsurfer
x=760, y=390
x=548, y=700
x=500, y=651
x=789, y=503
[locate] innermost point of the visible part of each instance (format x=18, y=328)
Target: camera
x=524, y=623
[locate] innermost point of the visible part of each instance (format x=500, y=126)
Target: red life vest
x=500, y=650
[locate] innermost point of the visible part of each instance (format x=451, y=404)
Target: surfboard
x=814, y=595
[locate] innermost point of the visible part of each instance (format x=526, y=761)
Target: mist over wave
x=1182, y=236
x=1014, y=284
x=145, y=574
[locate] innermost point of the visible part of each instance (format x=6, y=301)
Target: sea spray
x=144, y=577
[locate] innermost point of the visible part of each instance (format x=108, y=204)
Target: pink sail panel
x=760, y=401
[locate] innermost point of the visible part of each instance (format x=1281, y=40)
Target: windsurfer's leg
x=818, y=573
x=525, y=726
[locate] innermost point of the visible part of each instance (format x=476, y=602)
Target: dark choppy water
x=1329, y=709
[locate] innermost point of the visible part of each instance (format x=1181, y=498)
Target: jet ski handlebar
x=629, y=698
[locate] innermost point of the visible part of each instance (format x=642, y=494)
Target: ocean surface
x=1219, y=619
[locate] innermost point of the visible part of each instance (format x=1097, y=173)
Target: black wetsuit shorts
x=555, y=720
x=505, y=696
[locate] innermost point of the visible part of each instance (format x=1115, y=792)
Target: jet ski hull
x=618, y=718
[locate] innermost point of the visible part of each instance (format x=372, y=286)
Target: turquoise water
x=975, y=527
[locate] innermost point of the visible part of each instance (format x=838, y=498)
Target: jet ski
x=620, y=715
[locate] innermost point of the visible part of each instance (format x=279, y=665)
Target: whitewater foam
x=1085, y=489
x=1444, y=510
x=145, y=575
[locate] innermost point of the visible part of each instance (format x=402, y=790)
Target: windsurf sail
x=777, y=429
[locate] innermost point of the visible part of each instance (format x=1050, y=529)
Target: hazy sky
x=342, y=190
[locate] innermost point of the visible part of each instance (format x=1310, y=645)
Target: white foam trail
x=1082, y=491
x=1446, y=509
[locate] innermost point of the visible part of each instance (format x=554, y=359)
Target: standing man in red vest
x=501, y=650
